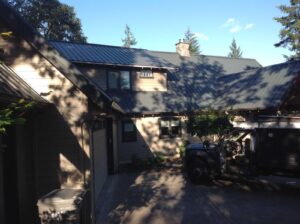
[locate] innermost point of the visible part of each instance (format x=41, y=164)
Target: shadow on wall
x=60, y=157
x=60, y=132
x=149, y=143
x=62, y=135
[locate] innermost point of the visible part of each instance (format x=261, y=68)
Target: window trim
x=119, y=71
x=170, y=135
x=124, y=139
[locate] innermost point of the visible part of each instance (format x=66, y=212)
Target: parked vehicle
x=246, y=153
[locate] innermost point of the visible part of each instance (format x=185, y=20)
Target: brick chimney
x=182, y=48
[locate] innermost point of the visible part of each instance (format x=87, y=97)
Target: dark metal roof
x=194, y=83
x=191, y=80
x=263, y=88
x=20, y=27
x=258, y=88
x=189, y=89
x=113, y=55
x=12, y=86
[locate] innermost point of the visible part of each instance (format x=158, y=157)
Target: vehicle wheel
x=198, y=172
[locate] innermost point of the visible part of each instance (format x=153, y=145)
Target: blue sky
x=158, y=24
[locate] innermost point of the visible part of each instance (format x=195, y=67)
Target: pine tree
x=129, y=39
x=235, y=51
x=52, y=19
x=191, y=38
x=290, y=32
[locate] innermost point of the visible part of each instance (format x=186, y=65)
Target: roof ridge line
x=204, y=55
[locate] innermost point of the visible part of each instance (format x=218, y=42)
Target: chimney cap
x=182, y=48
x=182, y=41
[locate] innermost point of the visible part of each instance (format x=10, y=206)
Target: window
x=124, y=80
x=119, y=80
x=170, y=127
x=128, y=131
x=146, y=74
x=113, y=78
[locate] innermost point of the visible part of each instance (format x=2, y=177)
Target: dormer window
x=146, y=73
x=119, y=80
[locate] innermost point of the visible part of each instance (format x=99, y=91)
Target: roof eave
x=22, y=28
x=122, y=65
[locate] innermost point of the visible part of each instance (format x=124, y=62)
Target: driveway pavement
x=165, y=196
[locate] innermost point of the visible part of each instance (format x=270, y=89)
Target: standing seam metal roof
x=198, y=82
x=114, y=55
x=263, y=88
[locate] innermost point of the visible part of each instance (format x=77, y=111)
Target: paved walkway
x=166, y=197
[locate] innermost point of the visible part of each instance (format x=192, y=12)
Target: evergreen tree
x=235, y=51
x=129, y=39
x=290, y=32
x=52, y=19
x=193, y=41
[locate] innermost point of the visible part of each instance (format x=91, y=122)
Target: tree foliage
x=129, y=39
x=290, y=31
x=4, y=35
x=52, y=19
x=191, y=38
x=209, y=123
x=235, y=51
x=14, y=114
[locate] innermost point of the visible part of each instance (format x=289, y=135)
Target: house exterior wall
x=99, y=75
x=62, y=139
x=25, y=172
x=148, y=140
x=157, y=83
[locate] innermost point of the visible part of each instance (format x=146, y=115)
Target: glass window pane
x=175, y=123
x=125, y=80
x=175, y=130
x=164, y=131
x=113, y=80
x=128, y=127
x=128, y=131
x=164, y=123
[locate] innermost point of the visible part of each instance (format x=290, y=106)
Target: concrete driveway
x=165, y=196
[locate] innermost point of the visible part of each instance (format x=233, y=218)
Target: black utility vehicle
x=246, y=153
